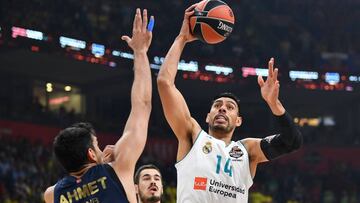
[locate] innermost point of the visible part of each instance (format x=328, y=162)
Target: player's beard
x=221, y=128
x=152, y=198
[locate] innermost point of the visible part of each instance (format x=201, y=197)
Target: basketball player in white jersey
x=211, y=167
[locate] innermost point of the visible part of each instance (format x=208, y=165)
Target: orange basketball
x=212, y=22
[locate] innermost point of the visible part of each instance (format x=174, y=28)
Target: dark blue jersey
x=99, y=184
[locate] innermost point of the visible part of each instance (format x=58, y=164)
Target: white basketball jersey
x=213, y=172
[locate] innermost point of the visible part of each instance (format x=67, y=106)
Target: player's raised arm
x=129, y=148
x=175, y=108
x=289, y=137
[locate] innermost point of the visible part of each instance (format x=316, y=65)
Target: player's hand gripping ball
x=212, y=22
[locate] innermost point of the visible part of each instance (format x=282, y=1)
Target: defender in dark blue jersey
x=148, y=184
x=90, y=179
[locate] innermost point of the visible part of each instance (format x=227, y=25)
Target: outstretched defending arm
x=129, y=147
x=135, y=132
x=127, y=150
x=175, y=108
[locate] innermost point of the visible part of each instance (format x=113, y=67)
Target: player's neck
x=147, y=202
x=226, y=137
x=82, y=171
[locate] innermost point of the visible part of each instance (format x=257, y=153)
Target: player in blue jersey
x=89, y=179
x=148, y=184
x=211, y=167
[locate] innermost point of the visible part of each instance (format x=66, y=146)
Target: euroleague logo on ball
x=223, y=26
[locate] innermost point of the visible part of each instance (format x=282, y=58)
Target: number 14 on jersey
x=227, y=168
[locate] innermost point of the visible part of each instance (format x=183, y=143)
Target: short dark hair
x=231, y=96
x=143, y=167
x=71, y=145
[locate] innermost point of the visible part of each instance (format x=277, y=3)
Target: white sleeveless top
x=213, y=172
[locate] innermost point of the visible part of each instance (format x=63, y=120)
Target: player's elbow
x=145, y=106
x=141, y=102
x=163, y=82
x=298, y=141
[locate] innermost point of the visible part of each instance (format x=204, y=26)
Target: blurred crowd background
x=299, y=34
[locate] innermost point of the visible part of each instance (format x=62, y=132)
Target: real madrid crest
x=236, y=152
x=207, y=148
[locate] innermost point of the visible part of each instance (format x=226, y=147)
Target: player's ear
x=238, y=121
x=136, y=188
x=207, y=118
x=91, y=155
